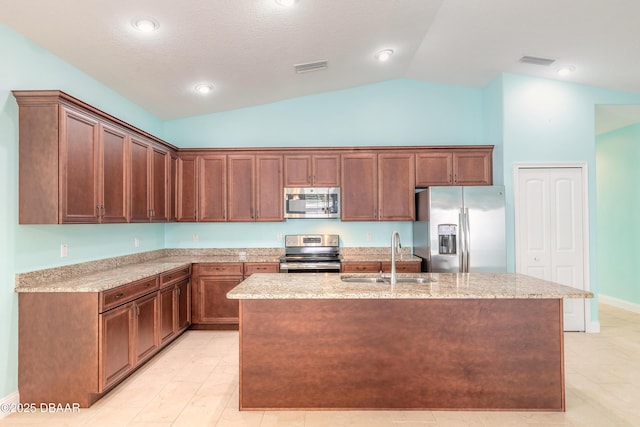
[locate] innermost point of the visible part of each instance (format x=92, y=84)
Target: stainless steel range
x=311, y=253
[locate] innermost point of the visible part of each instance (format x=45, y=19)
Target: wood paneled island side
x=463, y=341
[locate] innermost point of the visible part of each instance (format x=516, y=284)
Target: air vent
x=537, y=61
x=311, y=66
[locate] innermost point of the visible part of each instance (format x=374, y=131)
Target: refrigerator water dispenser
x=447, y=234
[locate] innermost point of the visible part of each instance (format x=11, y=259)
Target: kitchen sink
x=378, y=279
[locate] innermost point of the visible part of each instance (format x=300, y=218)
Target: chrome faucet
x=395, y=250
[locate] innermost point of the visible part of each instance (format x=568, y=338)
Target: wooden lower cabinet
x=175, y=310
x=210, y=307
x=376, y=267
x=73, y=347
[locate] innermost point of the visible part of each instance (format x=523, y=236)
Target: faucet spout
x=395, y=250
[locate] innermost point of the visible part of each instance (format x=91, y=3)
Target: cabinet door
x=167, y=324
x=173, y=186
x=79, y=156
x=213, y=305
x=359, y=187
x=396, y=186
x=160, y=160
x=117, y=354
x=269, y=190
x=297, y=171
x=241, y=174
x=472, y=167
x=183, y=302
x=187, y=188
x=113, y=175
x=140, y=172
x=434, y=168
x=401, y=266
x=361, y=267
x=146, y=326
x=326, y=170
x=212, y=188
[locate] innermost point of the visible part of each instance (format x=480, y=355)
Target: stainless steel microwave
x=312, y=202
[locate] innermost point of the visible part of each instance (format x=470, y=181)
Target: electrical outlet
x=136, y=242
x=64, y=250
x=279, y=237
x=242, y=255
x=194, y=238
x=369, y=236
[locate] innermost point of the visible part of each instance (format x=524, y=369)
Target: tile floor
x=194, y=382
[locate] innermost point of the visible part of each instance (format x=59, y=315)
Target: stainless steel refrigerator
x=460, y=229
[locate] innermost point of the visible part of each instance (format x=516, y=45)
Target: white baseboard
x=12, y=400
x=619, y=303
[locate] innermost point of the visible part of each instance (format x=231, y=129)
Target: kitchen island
x=461, y=341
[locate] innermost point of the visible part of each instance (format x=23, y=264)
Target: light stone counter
x=445, y=286
x=104, y=274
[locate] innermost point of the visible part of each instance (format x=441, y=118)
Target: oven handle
x=286, y=266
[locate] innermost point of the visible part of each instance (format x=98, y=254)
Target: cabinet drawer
x=260, y=267
x=125, y=293
x=402, y=266
x=361, y=267
x=175, y=275
x=220, y=269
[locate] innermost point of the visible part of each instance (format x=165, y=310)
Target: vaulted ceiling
x=247, y=49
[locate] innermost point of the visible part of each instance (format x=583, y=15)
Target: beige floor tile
x=194, y=382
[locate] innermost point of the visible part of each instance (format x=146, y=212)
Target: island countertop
x=443, y=286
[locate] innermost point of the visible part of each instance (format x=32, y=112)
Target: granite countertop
x=446, y=285
x=121, y=275
x=101, y=275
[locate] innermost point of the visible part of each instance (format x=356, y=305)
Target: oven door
x=310, y=267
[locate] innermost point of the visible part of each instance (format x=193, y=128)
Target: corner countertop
x=444, y=286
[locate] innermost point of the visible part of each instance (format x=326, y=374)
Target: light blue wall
x=617, y=158
x=24, y=248
x=396, y=112
x=551, y=121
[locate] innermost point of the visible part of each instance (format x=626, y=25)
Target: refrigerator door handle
x=467, y=243
x=461, y=245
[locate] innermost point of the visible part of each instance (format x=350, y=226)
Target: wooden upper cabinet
x=318, y=170
x=434, y=168
x=459, y=166
x=113, y=174
x=173, y=186
x=473, y=167
x=241, y=186
x=79, y=168
x=80, y=165
x=187, y=203
x=140, y=175
x=212, y=188
x=160, y=162
x=396, y=186
x=150, y=172
x=255, y=187
x=269, y=189
x=359, y=186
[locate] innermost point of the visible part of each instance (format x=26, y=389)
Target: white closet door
x=550, y=242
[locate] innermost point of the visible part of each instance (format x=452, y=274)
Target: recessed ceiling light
x=566, y=70
x=384, y=55
x=286, y=3
x=203, y=88
x=146, y=25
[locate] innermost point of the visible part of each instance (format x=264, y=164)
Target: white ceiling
x=247, y=48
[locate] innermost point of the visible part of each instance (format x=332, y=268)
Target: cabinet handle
x=146, y=285
x=178, y=291
x=118, y=296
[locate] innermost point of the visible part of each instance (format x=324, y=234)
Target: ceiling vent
x=311, y=66
x=537, y=61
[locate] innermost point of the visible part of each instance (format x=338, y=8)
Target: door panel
x=550, y=242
